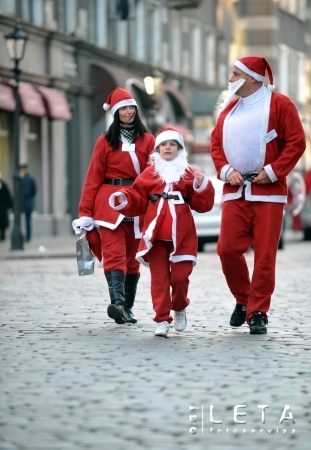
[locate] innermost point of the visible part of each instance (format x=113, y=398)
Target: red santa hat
x=118, y=98
x=167, y=135
x=256, y=67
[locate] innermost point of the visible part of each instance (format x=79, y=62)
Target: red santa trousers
x=165, y=275
x=119, y=248
x=244, y=223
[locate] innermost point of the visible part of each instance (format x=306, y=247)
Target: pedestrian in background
x=257, y=141
x=29, y=190
x=119, y=156
x=5, y=205
x=165, y=193
x=295, y=199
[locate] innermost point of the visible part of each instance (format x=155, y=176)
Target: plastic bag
x=85, y=258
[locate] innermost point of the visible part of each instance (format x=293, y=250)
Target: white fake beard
x=233, y=87
x=170, y=171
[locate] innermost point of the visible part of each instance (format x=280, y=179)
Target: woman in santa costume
x=165, y=193
x=257, y=141
x=119, y=156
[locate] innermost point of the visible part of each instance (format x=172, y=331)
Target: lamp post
x=15, y=43
x=153, y=86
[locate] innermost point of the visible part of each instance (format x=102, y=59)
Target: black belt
x=153, y=197
x=119, y=181
x=250, y=176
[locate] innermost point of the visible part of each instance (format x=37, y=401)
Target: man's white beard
x=233, y=87
x=170, y=171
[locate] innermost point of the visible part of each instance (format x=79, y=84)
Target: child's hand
x=121, y=198
x=199, y=176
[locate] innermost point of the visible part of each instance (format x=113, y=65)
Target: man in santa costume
x=165, y=193
x=257, y=141
x=119, y=156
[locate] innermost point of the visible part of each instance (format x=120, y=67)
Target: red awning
x=31, y=102
x=7, y=100
x=184, y=131
x=56, y=105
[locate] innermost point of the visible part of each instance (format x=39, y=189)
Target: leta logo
x=286, y=415
x=263, y=407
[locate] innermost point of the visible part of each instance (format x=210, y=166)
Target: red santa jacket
x=278, y=156
x=109, y=163
x=183, y=228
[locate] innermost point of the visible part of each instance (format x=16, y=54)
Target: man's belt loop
x=119, y=181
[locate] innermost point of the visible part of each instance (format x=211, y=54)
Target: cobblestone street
x=72, y=379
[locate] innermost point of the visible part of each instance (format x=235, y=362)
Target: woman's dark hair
x=113, y=133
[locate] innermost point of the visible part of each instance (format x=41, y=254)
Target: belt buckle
x=250, y=176
x=117, y=182
x=180, y=199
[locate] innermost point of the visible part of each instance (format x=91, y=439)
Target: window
x=302, y=94
x=292, y=74
x=100, y=22
x=8, y=7
x=154, y=35
x=196, y=51
x=70, y=16
x=210, y=44
x=122, y=36
x=296, y=8
x=50, y=14
x=283, y=69
x=140, y=41
x=37, y=12
x=175, y=40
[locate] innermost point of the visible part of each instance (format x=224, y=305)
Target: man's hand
x=235, y=178
x=262, y=178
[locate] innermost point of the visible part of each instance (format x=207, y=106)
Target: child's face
x=168, y=150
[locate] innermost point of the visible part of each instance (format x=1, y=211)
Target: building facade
x=280, y=31
x=77, y=52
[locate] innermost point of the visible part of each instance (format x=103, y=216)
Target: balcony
x=183, y=3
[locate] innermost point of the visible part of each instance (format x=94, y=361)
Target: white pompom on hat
x=256, y=67
x=167, y=135
x=118, y=98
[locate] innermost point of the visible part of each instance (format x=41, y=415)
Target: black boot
x=130, y=292
x=115, y=310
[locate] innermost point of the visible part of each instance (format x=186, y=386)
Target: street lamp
x=153, y=86
x=16, y=43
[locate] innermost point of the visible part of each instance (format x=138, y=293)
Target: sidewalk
x=41, y=247
x=65, y=246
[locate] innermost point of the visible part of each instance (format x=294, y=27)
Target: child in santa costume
x=119, y=156
x=165, y=193
x=257, y=141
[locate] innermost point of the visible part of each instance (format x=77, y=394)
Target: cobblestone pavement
x=72, y=379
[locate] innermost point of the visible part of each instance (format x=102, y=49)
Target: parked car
x=208, y=224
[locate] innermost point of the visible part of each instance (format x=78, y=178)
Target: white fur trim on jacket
x=169, y=135
x=112, y=200
x=203, y=185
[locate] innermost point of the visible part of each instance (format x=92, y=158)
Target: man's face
x=236, y=75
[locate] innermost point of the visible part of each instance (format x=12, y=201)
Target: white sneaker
x=180, y=320
x=162, y=329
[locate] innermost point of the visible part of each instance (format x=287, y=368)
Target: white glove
x=83, y=223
